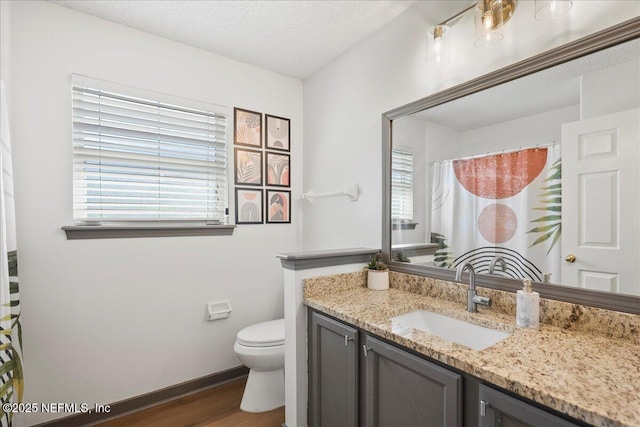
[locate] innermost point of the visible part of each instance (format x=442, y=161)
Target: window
x=401, y=185
x=144, y=159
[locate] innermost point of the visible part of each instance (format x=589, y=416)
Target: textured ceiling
x=295, y=38
x=548, y=90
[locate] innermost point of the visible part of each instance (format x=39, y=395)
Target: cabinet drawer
x=501, y=410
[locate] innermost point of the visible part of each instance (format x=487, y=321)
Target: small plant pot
x=378, y=280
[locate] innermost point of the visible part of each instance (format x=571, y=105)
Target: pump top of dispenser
x=527, y=285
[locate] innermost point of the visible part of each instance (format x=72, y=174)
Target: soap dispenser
x=527, y=306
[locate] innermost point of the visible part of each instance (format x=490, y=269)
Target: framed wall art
x=277, y=133
x=278, y=169
x=247, y=129
x=249, y=206
x=278, y=207
x=248, y=167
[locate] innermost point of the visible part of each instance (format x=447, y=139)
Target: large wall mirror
x=531, y=171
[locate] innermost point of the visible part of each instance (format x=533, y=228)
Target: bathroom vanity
x=356, y=375
x=365, y=371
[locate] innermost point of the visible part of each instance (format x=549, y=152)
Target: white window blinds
x=141, y=159
x=401, y=185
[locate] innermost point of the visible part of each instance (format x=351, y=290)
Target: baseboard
x=149, y=399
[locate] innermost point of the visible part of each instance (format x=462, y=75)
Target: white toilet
x=260, y=348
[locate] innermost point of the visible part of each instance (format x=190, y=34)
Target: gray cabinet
x=396, y=388
x=333, y=373
x=500, y=410
x=357, y=380
x=403, y=390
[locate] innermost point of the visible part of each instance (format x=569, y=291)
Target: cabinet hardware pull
x=365, y=349
x=483, y=408
x=347, y=338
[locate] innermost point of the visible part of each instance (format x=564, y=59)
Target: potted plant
x=401, y=257
x=377, y=273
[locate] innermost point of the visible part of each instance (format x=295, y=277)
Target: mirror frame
x=609, y=37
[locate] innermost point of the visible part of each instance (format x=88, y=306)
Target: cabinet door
x=333, y=370
x=501, y=410
x=403, y=390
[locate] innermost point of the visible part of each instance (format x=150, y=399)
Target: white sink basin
x=458, y=331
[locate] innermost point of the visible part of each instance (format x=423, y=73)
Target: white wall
x=525, y=132
x=601, y=94
x=344, y=101
x=5, y=25
x=106, y=320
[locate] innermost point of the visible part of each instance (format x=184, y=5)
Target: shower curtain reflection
x=506, y=204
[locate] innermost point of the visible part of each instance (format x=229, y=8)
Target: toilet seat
x=265, y=334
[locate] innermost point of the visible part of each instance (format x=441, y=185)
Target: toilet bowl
x=260, y=348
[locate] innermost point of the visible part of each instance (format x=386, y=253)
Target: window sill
x=403, y=225
x=75, y=232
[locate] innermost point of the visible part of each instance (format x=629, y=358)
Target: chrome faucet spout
x=497, y=260
x=472, y=274
x=472, y=299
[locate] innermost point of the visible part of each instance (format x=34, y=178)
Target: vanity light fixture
x=438, y=46
x=489, y=18
x=546, y=9
x=491, y=15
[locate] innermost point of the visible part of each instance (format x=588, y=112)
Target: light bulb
x=437, y=45
x=487, y=20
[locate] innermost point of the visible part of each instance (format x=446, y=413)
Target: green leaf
x=20, y=334
x=547, y=218
x=557, y=200
x=542, y=238
x=556, y=238
x=550, y=208
x=552, y=187
x=551, y=193
x=6, y=367
x=544, y=228
x=6, y=387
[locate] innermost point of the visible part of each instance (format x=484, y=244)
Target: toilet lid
x=265, y=334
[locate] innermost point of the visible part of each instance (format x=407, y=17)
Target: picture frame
x=249, y=206
x=278, y=206
x=247, y=128
x=247, y=167
x=277, y=168
x=277, y=133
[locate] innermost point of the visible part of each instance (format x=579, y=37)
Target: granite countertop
x=592, y=378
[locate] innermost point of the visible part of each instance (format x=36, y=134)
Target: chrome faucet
x=497, y=260
x=472, y=298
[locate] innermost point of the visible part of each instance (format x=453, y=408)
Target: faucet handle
x=478, y=299
x=497, y=260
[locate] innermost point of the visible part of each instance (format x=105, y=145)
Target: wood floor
x=215, y=407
